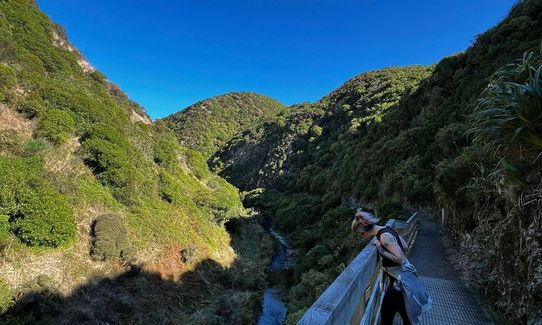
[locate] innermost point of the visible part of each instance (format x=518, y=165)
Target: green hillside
x=206, y=125
x=408, y=138
x=91, y=190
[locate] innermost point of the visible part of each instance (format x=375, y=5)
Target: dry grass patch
x=10, y=120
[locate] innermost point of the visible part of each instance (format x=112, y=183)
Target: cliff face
x=413, y=137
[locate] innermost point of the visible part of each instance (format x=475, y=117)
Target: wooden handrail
x=356, y=295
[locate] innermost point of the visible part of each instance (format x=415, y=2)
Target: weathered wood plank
x=338, y=303
x=368, y=315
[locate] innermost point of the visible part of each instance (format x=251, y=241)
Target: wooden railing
x=356, y=295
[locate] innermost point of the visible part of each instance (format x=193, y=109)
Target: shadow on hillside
x=210, y=294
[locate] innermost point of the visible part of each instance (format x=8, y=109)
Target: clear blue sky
x=169, y=54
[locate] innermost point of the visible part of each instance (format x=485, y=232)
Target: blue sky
x=169, y=54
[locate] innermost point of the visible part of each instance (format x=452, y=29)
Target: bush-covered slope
x=90, y=188
x=208, y=124
x=398, y=137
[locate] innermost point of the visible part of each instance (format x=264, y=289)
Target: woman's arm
x=405, y=245
x=392, y=249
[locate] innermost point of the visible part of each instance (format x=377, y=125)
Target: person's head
x=363, y=223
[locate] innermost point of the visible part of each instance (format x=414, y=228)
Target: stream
x=273, y=307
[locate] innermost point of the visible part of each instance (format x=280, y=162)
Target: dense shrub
x=5, y=296
x=110, y=239
x=56, y=125
x=165, y=151
x=169, y=187
x=116, y=163
x=391, y=209
x=45, y=218
x=336, y=217
x=8, y=80
x=32, y=64
x=312, y=284
x=31, y=105
x=4, y=228
x=38, y=214
x=451, y=178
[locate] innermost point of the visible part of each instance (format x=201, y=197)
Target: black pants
x=392, y=303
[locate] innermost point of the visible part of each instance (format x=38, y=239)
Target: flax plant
x=507, y=120
x=509, y=114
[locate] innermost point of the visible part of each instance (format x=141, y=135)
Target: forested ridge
x=207, y=125
x=107, y=216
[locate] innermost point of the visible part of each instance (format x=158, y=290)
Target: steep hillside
x=208, y=124
x=92, y=193
x=273, y=154
x=417, y=138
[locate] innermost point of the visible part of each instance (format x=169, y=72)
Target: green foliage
x=509, y=111
x=112, y=164
x=31, y=105
x=451, y=138
x=165, y=151
x=452, y=177
x=4, y=228
x=391, y=209
x=6, y=297
x=312, y=284
x=315, y=131
x=38, y=215
x=312, y=257
x=110, y=239
x=34, y=147
x=56, y=125
x=8, y=80
x=45, y=218
x=209, y=124
x=31, y=63
x=508, y=118
x=335, y=217
x=116, y=162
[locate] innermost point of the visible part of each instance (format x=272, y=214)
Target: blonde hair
x=360, y=217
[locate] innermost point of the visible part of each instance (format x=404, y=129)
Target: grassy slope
x=81, y=149
x=364, y=141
